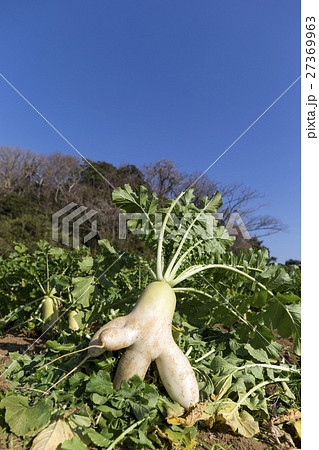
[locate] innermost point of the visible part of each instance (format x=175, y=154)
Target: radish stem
x=159, y=264
x=125, y=432
x=196, y=269
x=68, y=354
x=171, y=264
x=254, y=388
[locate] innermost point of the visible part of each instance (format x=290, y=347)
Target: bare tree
x=60, y=174
x=167, y=181
x=163, y=178
x=241, y=199
x=18, y=168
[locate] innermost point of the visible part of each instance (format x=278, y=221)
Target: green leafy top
x=180, y=228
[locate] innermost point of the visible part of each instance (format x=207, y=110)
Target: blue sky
x=138, y=81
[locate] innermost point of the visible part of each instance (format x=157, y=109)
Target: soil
x=229, y=440
x=20, y=342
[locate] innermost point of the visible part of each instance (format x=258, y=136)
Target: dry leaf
x=226, y=412
x=173, y=443
x=53, y=435
x=162, y=434
x=280, y=436
x=196, y=413
x=242, y=421
x=290, y=416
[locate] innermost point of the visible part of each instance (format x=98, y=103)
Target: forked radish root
x=147, y=334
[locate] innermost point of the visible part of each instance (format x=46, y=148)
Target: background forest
x=34, y=186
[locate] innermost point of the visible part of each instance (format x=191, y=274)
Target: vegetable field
x=209, y=357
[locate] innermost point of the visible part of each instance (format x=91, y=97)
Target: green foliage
x=21, y=215
x=73, y=278
x=24, y=419
x=205, y=239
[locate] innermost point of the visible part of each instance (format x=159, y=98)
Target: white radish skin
x=132, y=363
x=147, y=332
x=117, y=338
x=73, y=325
x=50, y=313
x=117, y=323
x=178, y=376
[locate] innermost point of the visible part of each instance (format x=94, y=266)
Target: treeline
x=34, y=186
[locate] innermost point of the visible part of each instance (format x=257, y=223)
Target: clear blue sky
x=138, y=81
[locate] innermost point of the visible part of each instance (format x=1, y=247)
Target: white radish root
x=50, y=312
x=147, y=334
